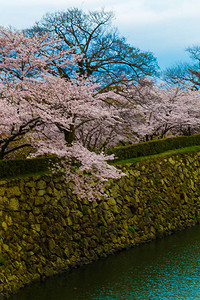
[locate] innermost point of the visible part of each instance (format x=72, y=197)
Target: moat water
x=166, y=269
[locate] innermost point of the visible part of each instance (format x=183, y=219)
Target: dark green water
x=163, y=269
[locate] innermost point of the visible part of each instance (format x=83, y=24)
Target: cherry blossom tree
x=22, y=57
x=44, y=110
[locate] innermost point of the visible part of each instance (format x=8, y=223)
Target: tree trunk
x=70, y=135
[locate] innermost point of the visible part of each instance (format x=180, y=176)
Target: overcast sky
x=165, y=27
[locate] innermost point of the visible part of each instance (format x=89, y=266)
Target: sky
x=164, y=27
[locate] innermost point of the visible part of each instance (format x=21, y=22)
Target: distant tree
x=146, y=112
x=104, y=53
x=167, y=111
x=186, y=74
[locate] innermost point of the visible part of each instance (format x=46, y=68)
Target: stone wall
x=45, y=229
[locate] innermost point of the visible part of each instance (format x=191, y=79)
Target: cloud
x=143, y=12
x=132, y=12
x=33, y=2
x=138, y=10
